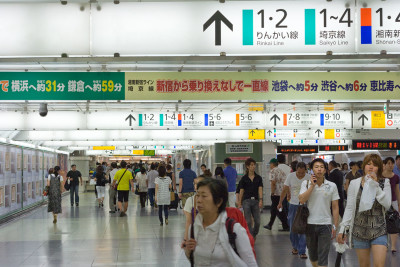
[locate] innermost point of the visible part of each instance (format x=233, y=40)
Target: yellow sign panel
x=104, y=148
x=329, y=133
x=256, y=134
x=256, y=107
x=378, y=119
x=329, y=107
x=138, y=152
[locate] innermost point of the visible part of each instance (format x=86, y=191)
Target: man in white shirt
x=287, y=170
x=151, y=176
x=113, y=193
x=320, y=194
x=292, y=186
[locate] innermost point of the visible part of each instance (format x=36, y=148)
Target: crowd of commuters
x=330, y=190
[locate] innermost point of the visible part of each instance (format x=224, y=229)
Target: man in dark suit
x=336, y=176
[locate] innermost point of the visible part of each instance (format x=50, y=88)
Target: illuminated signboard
x=298, y=149
x=376, y=144
x=334, y=148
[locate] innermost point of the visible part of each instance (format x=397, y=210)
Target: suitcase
x=174, y=204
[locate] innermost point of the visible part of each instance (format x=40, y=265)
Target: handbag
x=300, y=220
x=392, y=221
x=67, y=185
x=46, y=191
x=116, y=185
x=172, y=193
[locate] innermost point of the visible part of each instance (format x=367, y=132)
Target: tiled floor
x=89, y=236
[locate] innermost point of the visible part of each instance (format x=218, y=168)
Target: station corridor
x=90, y=236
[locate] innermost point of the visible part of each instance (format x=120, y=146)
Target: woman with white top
x=320, y=194
x=210, y=246
x=368, y=228
x=143, y=182
x=54, y=182
x=163, y=197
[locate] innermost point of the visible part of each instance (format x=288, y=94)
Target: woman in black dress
x=54, y=182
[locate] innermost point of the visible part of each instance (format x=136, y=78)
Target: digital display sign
x=334, y=148
x=376, y=144
x=298, y=149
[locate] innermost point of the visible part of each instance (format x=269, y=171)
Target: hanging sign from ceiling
x=376, y=119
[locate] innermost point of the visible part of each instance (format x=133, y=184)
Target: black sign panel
x=376, y=145
x=298, y=149
x=334, y=148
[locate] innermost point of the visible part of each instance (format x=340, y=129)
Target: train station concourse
x=116, y=114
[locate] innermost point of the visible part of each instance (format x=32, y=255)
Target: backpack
x=234, y=215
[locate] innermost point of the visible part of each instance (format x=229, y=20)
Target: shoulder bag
x=300, y=220
x=116, y=185
x=392, y=216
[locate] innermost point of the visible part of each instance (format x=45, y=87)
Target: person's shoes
x=77, y=204
x=303, y=256
x=166, y=221
x=161, y=224
x=111, y=211
x=99, y=205
x=284, y=230
x=72, y=204
x=122, y=214
x=116, y=209
x=102, y=205
x=268, y=227
x=55, y=220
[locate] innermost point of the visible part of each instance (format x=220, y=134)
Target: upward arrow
x=130, y=118
x=217, y=18
x=252, y=132
x=318, y=132
x=275, y=117
x=363, y=118
x=269, y=132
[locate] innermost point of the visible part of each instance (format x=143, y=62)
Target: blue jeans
x=151, y=192
x=160, y=210
x=298, y=241
x=74, y=190
x=251, y=209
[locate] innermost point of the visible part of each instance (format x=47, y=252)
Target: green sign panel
x=62, y=86
x=149, y=153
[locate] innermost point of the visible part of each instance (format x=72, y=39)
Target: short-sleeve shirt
x=279, y=177
x=151, y=176
x=163, y=194
x=394, y=181
x=294, y=184
x=189, y=204
x=349, y=176
x=187, y=176
x=319, y=203
x=52, y=175
x=231, y=175
x=250, y=187
x=75, y=176
x=123, y=185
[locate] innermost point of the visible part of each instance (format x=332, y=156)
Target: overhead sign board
x=309, y=119
x=333, y=148
x=256, y=134
x=297, y=149
x=239, y=148
x=377, y=119
x=376, y=145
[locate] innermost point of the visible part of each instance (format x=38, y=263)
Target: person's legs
x=142, y=199
x=281, y=215
x=232, y=199
x=120, y=200
x=363, y=256
x=274, y=210
x=160, y=214
x=77, y=194
x=111, y=200
x=312, y=244
x=285, y=206
x=166, y=208
x=151, y=192
x=247, y=214
x=294, y=238
x=379, y=255
x=71, y=194
x=324, y=243
x=255, y=210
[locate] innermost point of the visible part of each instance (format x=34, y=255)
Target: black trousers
x=142, y=196
x=274, y=212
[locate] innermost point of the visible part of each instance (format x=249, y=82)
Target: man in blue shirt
x=186, y=181
x=396, y=169
x=230, y=174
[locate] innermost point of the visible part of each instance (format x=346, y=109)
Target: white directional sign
x=313, y=119
x=377, y=120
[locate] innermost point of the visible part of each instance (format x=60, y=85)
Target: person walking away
x=171, y=175
x=143, y=182
x=54, y=182
x=186, y=181
x=368, y=231
x=123, y=178
x=112, y=192
x=352, y=175
x=74, y=177
x=250, y=197
x=336, y=177
x=163, y=196
x=210, y=245
x=100, y=185
x=277, y=178
x=151, y=176
x=394, y=180
x=231, y=175
x=287, y=170
x=320, y=194
x=292, y=185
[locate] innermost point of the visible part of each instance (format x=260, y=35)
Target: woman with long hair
x=54, y=182
x=101, y=181
x=368, y=231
